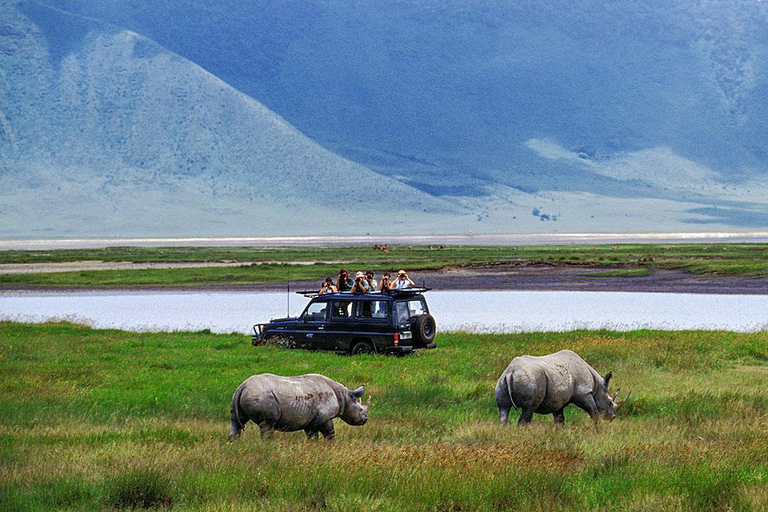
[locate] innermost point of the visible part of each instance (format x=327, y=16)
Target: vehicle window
x=407, y=310
x=402, y=313
x=315, y=312
x=341, y=309
x=416, y=307
x=372, y=309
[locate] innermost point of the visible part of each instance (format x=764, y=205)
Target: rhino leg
x=311, y=433
x=234, y=432
x=327, y=430
x=588, y=404
x=525, y=417
x=504, y=417
x=559, y=417
x=267, y=430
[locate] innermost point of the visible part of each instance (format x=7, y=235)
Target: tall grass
x=110, y=419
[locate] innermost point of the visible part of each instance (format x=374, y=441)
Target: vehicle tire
x=424, y=329
x=362, y=347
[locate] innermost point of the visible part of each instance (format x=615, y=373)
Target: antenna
x=288, y=294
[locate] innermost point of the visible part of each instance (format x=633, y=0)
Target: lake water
x=476, y=311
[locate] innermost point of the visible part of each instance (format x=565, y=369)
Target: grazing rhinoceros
x=547, y=384
x=307, y=402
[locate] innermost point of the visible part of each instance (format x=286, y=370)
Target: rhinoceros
x=287, y=404
x=547, y=384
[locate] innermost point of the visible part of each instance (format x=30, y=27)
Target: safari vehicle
x=394, y=322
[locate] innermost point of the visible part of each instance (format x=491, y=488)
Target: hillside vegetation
x=108, y=419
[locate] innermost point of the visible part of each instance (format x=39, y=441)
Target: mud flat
x=567, y=278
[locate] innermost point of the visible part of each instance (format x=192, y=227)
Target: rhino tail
x=505, y=388
x=238, y=424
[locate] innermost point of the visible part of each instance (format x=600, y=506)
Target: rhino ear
x=358, y=393
x=606, y=379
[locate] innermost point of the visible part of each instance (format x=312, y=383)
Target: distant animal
x=287, y=404
x=547, y=384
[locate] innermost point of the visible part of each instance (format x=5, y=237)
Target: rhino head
x=355, y=412
x=606, y=403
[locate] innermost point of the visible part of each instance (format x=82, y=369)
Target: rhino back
x=290, y=403
x=583, y=378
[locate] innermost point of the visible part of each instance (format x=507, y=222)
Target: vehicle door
x=310, y=332
x=406, y=311
x=340, y=328
x=372, y=320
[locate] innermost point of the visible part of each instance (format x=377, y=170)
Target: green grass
x=276, y=265
x=621, y=272
x=105, y=419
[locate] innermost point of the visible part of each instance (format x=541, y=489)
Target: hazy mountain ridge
x=463, y=85
x=526, y=116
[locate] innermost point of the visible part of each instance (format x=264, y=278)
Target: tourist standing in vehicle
x=344, y=283
x=402, y=282
x=328, y=287
x=386, y=282
x=361, y=284
x=369, y=278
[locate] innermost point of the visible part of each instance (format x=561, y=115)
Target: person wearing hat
x=361, y=283
x=402, y=281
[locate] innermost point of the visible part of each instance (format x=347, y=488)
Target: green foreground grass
x=277, y=265
x=109, y=419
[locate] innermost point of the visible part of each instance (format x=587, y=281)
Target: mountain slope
x=104, y=120
x=447, y=96
x=198, y=117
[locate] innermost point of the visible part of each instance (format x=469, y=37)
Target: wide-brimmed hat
x=359, y=274
x=401, y=272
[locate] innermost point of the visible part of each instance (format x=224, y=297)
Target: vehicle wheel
x=362, y=347
x=424, y=329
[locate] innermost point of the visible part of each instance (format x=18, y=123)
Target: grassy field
x=276, y=265
x=110, y=419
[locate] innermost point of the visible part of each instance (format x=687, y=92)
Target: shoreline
x=356, y=240
x=486, y=278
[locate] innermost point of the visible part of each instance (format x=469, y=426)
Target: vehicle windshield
x=315, y=312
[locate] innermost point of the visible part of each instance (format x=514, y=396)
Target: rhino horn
x=615, y=394
x=358, y=393
x=619, y=404
x=368, y=402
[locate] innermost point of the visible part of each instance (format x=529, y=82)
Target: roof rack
x=402, y=291
x=413, y=290
x=309, y=293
